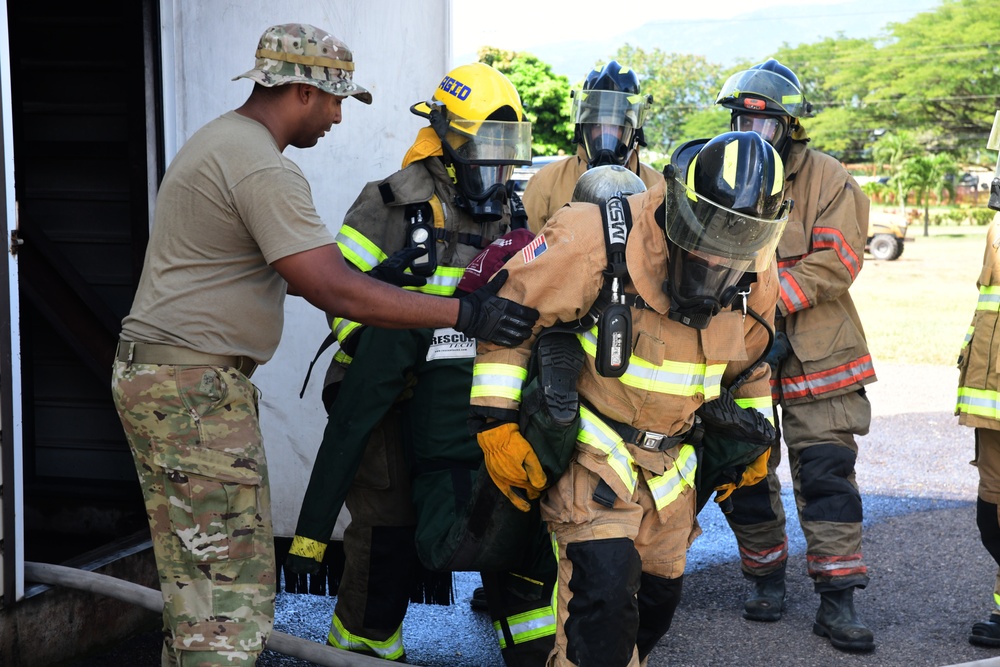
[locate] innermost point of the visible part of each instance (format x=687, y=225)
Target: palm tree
x=926, y=174
x=893, y=148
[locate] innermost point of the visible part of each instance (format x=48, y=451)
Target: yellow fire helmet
x=477, y=113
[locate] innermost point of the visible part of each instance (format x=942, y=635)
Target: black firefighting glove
x=486, y=316
x=724, y=417
x=392, y=269
x=780, y=349
x=305, y=556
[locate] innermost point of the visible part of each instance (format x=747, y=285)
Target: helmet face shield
x=720, y=236
x=771, y=128
x=489, y=141
x=763, y=91
x=608, y=121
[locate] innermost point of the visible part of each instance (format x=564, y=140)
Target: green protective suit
x=424, y=376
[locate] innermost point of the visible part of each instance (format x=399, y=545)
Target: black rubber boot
x=478, y=600
x=767, y=600
x=986, y=634
x=837, y=620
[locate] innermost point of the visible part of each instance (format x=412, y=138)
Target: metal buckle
x=651, y=440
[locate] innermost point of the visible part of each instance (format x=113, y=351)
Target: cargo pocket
x=212, y=502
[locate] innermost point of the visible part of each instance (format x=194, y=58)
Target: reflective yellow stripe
x=498, y=381
x=389, y=649
x=761, y=404
x=978, y=402
x=358, y=250
x=996, y=602
x=307, y=548
x=675, y=378
x=667, y=487
x=989, y=298
x=600, y=436
x=528, y=626
x=968, y=335
x=730, y=162
x=443, y=282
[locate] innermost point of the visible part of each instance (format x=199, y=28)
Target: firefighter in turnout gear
x=424, y=377
x=978, y=401
x=672, y=272
x=820, y=364
x=419, y=228
x=609, y=112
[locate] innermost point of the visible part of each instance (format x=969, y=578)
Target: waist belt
x=650, y=440
x=171, y=355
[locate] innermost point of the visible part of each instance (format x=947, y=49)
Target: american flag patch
x=534, y=249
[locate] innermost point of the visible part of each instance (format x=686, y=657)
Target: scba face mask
x=714, y=252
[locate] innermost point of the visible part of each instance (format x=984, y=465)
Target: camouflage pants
x=195, y=437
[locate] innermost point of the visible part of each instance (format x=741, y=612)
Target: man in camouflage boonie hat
x=301, y=53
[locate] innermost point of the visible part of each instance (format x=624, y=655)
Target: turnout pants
x=822, y=451
x=378, y=550
x=987, y=461
x=621, y=556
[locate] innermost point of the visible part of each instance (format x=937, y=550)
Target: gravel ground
x=931, y=577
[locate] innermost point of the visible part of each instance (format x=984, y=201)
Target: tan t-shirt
x=229, y=205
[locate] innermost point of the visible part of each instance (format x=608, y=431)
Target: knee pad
x=391, y=568
x=658, y=600
x=752, y=505
x=824, y=472
x=989, y=527
x=603, y=614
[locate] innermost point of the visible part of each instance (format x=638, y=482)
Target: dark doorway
x=84, y=93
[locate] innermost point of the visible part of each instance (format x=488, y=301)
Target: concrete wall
x=402, y=49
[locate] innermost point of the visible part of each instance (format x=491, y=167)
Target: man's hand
x=512, y=463
x=486, y=316
x=392, y=269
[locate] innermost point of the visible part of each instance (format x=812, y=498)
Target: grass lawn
x=916, y=309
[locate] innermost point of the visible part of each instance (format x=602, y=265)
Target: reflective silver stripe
x=389, y=649
x=761, y=404
x=989, y=298
x=498, y=381
x=979, y=402
x=666, y=488
x=818, y=384
x=602, y=437
x=358, y=250
x=527, y=626
x=674, y=378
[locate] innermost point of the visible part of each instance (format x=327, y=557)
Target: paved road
x=931, y=578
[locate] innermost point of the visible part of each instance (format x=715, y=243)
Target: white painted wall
x=401, y=50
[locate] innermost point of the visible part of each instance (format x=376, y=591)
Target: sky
x=523, y=24
x=517, y=24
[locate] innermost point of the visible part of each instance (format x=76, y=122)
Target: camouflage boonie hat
x=301, y=53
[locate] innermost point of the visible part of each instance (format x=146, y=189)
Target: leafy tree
x=925, y=175
x=681, y=85
x=832, y=75
x=544, y=95
x=938, y=73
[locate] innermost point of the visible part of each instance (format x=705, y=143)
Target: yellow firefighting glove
x=512, y=463
x=753, y=473
x=305, y=555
